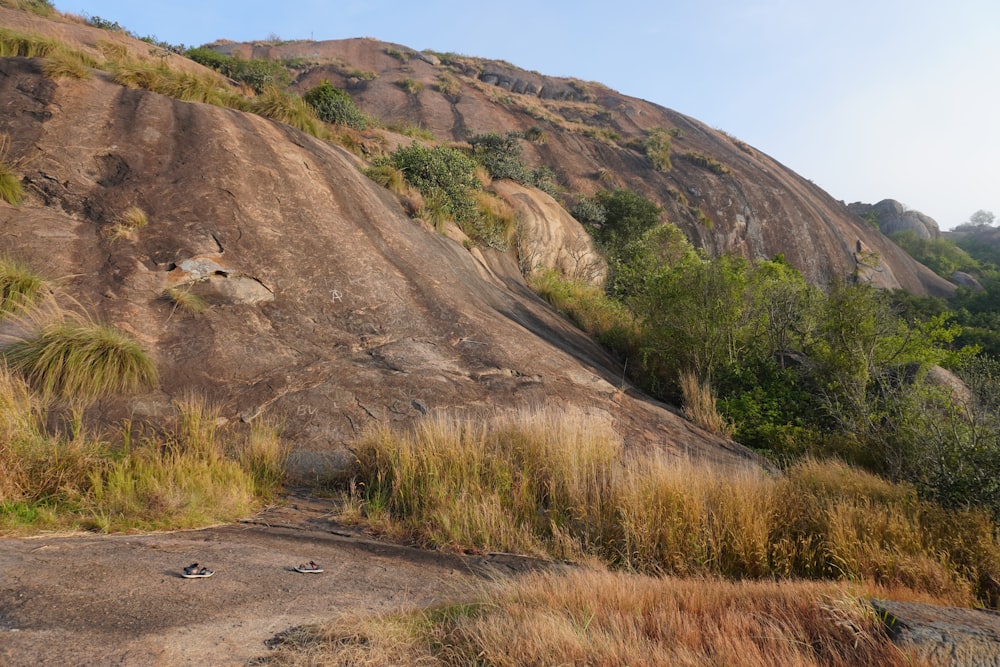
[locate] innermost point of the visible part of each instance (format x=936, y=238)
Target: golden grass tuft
x=699, y=403
x=133, y=219
x=182, y=297
x=67, y=65
x=11, y=190
x=199, y=472
x=290, y=109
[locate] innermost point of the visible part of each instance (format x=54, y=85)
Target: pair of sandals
x=193, y=571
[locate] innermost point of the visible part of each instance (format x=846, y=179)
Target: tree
x=982, y=218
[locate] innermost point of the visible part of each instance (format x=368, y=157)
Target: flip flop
x=310, y=567
x=192, y=571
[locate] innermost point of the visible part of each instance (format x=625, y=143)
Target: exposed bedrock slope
x=331, y=309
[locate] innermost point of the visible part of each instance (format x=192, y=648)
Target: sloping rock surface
x=330, y=309
x=745, y=203
x=945, y=636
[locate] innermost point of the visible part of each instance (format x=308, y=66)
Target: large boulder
x=893, y=217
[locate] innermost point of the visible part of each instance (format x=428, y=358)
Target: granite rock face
x=329, y=308
x=945, y=636
x=893, y=217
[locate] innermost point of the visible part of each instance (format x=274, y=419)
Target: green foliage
x=500, y=154
x=657, y=148
x=940, y=255
x=401, y=56
x=448, y=86
x=80, y=361
x=333, y=105
x=257, y=73
x=411, y=86
x=627, y=216
x=20, y=287
x=441, y=173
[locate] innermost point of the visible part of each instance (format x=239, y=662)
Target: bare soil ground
x=121, y=600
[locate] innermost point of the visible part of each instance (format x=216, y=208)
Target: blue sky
x=868, y=99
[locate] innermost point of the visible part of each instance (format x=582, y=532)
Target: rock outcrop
x=892, y=217
x=944, y=636
x=725, y=195
x=329, y=308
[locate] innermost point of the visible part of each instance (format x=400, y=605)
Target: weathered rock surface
x=893, y=217
x=592, y=137
x=329, y=308
x=549, y=237
x=945, y=636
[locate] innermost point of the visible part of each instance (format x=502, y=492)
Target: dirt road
x=120, y=600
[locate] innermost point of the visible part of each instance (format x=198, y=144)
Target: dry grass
x=133, y=219
x=192, y=474
x=600, y=618
x=20, y=287
x=699, y=403
x=561, y=486
x=182, y=297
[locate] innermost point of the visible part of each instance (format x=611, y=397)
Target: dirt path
x=120, y=600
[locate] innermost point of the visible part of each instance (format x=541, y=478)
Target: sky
x=869, y=99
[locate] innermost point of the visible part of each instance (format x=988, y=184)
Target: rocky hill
x=726, y=195
x=330, y=308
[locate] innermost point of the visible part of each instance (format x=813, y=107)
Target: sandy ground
x=120, y=600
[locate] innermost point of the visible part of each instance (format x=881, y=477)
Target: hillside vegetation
x=248, y=239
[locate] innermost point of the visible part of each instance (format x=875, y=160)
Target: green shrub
x=500, y=154
x=442, y=174
x=257, y=73
x=79, y=361
x=333, y=105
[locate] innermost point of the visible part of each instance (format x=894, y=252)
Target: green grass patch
x=706, y=162
x=78, y=361
x=20, y=287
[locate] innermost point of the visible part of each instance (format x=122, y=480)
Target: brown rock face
x=724, y=194
x=329, y=308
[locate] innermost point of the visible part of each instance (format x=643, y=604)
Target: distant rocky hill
x=726, y=195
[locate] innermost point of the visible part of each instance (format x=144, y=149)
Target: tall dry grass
x=700, y=407
x=194, y=473
x=560, y=485
x=600, y=618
